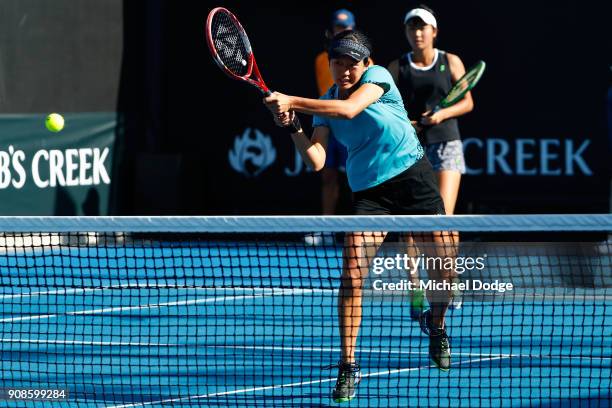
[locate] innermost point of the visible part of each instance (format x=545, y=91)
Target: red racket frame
x=257, y=81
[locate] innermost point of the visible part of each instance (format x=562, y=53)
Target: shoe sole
x=344, y=399
x=347, y=399
x=440, y=368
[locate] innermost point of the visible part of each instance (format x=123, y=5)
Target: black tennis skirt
x=412, y=192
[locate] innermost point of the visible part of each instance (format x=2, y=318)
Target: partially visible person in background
x=341, y=20
x=424, y=76
x=335, y=193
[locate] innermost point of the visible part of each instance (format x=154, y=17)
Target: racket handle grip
x=434, y=110
x=431, y=112
x=295, y=125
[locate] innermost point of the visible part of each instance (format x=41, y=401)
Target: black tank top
x=422, y=90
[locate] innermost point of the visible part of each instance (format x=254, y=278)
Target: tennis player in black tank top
x=424, y=76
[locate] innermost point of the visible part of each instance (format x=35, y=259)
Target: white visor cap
x=423, y=14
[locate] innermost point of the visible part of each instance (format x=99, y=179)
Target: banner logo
x=251, y=156
x=51, y=168
x=527, y=157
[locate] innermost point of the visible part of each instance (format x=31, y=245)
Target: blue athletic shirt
x=381, y=141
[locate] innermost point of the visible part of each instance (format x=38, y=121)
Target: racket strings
x=465, y=83
x=461, y=85
x=231, y=45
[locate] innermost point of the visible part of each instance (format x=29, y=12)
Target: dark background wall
x=547, y=77
x=62, y=55
x=58, y=56
x=181, y=121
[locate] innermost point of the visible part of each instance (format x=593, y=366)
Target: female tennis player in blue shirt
x=387, y=172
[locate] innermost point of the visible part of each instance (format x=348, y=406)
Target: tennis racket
x=231, y=49
x=461, y=87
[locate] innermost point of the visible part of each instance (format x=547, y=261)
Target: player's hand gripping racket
x=231, y=50
x=466, y=83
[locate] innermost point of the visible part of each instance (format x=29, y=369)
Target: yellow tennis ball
x=54, y=122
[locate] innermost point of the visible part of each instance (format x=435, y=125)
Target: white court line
x=50, y=292
x=94, y=289
x=282, y=348
x=139, y=344
x=159, y=305
x=162, y=286
x=91, y=343
x=366, y=351
x=123, y=308
x=590, y=358
x=383, y=351
x=297, y=384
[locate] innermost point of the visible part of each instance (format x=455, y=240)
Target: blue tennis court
x=197, y=324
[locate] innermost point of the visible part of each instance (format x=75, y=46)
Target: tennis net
x=243, y=311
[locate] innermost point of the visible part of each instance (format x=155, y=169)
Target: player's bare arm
x=364, y=96
x=462, y=107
